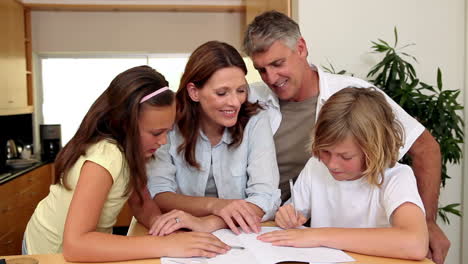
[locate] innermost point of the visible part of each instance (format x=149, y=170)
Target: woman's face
x=154, y=123
x=221, y=98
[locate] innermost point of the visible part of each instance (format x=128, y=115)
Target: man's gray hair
x=267, y=28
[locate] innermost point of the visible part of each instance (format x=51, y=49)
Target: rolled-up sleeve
x=262, y=169
x=161, y=171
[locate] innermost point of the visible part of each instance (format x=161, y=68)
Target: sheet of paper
x=257, y=251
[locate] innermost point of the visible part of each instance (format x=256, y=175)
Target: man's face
x=282, y=68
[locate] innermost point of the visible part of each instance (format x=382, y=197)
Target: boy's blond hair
x=364, y=114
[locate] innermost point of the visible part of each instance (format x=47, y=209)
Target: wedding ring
x=177, y=220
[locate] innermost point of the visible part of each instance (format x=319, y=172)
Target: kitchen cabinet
x=13, y=70
x=18, y=199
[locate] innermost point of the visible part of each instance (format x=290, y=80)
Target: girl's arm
x=81, y=242
x=406, y=239
x=145, y=211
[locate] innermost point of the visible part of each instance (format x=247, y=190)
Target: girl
x=100, y=167
x=355, y=193
x=220, y=162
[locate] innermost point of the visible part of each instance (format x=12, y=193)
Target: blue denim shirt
x=248, y=171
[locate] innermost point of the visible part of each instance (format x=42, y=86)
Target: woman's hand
x=292, y=238
x=240, y=212
x=287, y=217
x=193, y=244
x=174, y=220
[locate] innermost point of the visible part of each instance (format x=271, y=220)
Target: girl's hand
x=240, y=212
x=193, y=244
x=307, y=237
x=286, y=217
x=174, y=220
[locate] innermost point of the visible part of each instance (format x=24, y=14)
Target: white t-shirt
x=356, y=204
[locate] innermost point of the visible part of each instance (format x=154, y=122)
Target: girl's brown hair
x=364, y=114
x=114, y=115
x=202, y=64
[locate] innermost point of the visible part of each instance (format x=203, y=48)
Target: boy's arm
x=406, y=239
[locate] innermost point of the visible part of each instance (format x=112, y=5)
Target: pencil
x=236, y=247
x=291, y=186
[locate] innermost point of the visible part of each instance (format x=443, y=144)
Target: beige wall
x=153, y=32
x=341, y=31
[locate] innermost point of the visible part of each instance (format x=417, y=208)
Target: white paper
x=260, y=252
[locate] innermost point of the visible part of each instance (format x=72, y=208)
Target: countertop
x=13, y=173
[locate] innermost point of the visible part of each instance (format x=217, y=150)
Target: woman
x=219, y=167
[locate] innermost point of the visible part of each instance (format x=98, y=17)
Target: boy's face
x=283, y=68
x=344, y=160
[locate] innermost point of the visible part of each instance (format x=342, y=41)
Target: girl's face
x=344, y=160
x=154, y=124
x=221, y=98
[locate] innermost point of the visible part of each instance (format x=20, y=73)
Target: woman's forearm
x=197, y=206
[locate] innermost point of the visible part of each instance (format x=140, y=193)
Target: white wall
x=146, y=32
x=341, y=31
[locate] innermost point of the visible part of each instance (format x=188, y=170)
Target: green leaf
x=396, y=35
x=439, y=79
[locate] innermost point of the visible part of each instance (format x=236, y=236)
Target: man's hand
x=438, y=243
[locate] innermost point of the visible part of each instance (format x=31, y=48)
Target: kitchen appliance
x=11, y=149
x=51, y=141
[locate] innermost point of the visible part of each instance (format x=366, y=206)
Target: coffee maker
x=51, y=141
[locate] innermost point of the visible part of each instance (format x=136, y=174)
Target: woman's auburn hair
x=202, y=64
x=114, y=116
x=364, y=114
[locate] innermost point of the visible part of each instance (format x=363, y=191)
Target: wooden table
x=137, y=229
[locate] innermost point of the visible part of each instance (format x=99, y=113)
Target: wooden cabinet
x=256, y=7
x=13, y=70
x=18, y=199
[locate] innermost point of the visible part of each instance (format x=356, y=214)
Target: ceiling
x=137, y=2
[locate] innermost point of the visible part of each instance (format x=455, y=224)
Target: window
x=70, y=84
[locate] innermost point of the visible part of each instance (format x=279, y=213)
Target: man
x=295, y=93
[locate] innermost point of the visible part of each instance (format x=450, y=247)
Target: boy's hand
x=287, y=217
x=292, y=238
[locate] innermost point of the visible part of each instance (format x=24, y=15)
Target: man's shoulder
x=336, y=82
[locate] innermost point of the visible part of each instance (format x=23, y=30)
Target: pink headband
x=153, y=94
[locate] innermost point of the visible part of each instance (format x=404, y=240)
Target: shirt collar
x=226, y=138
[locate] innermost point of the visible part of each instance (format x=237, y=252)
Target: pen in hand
x=291, y=186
